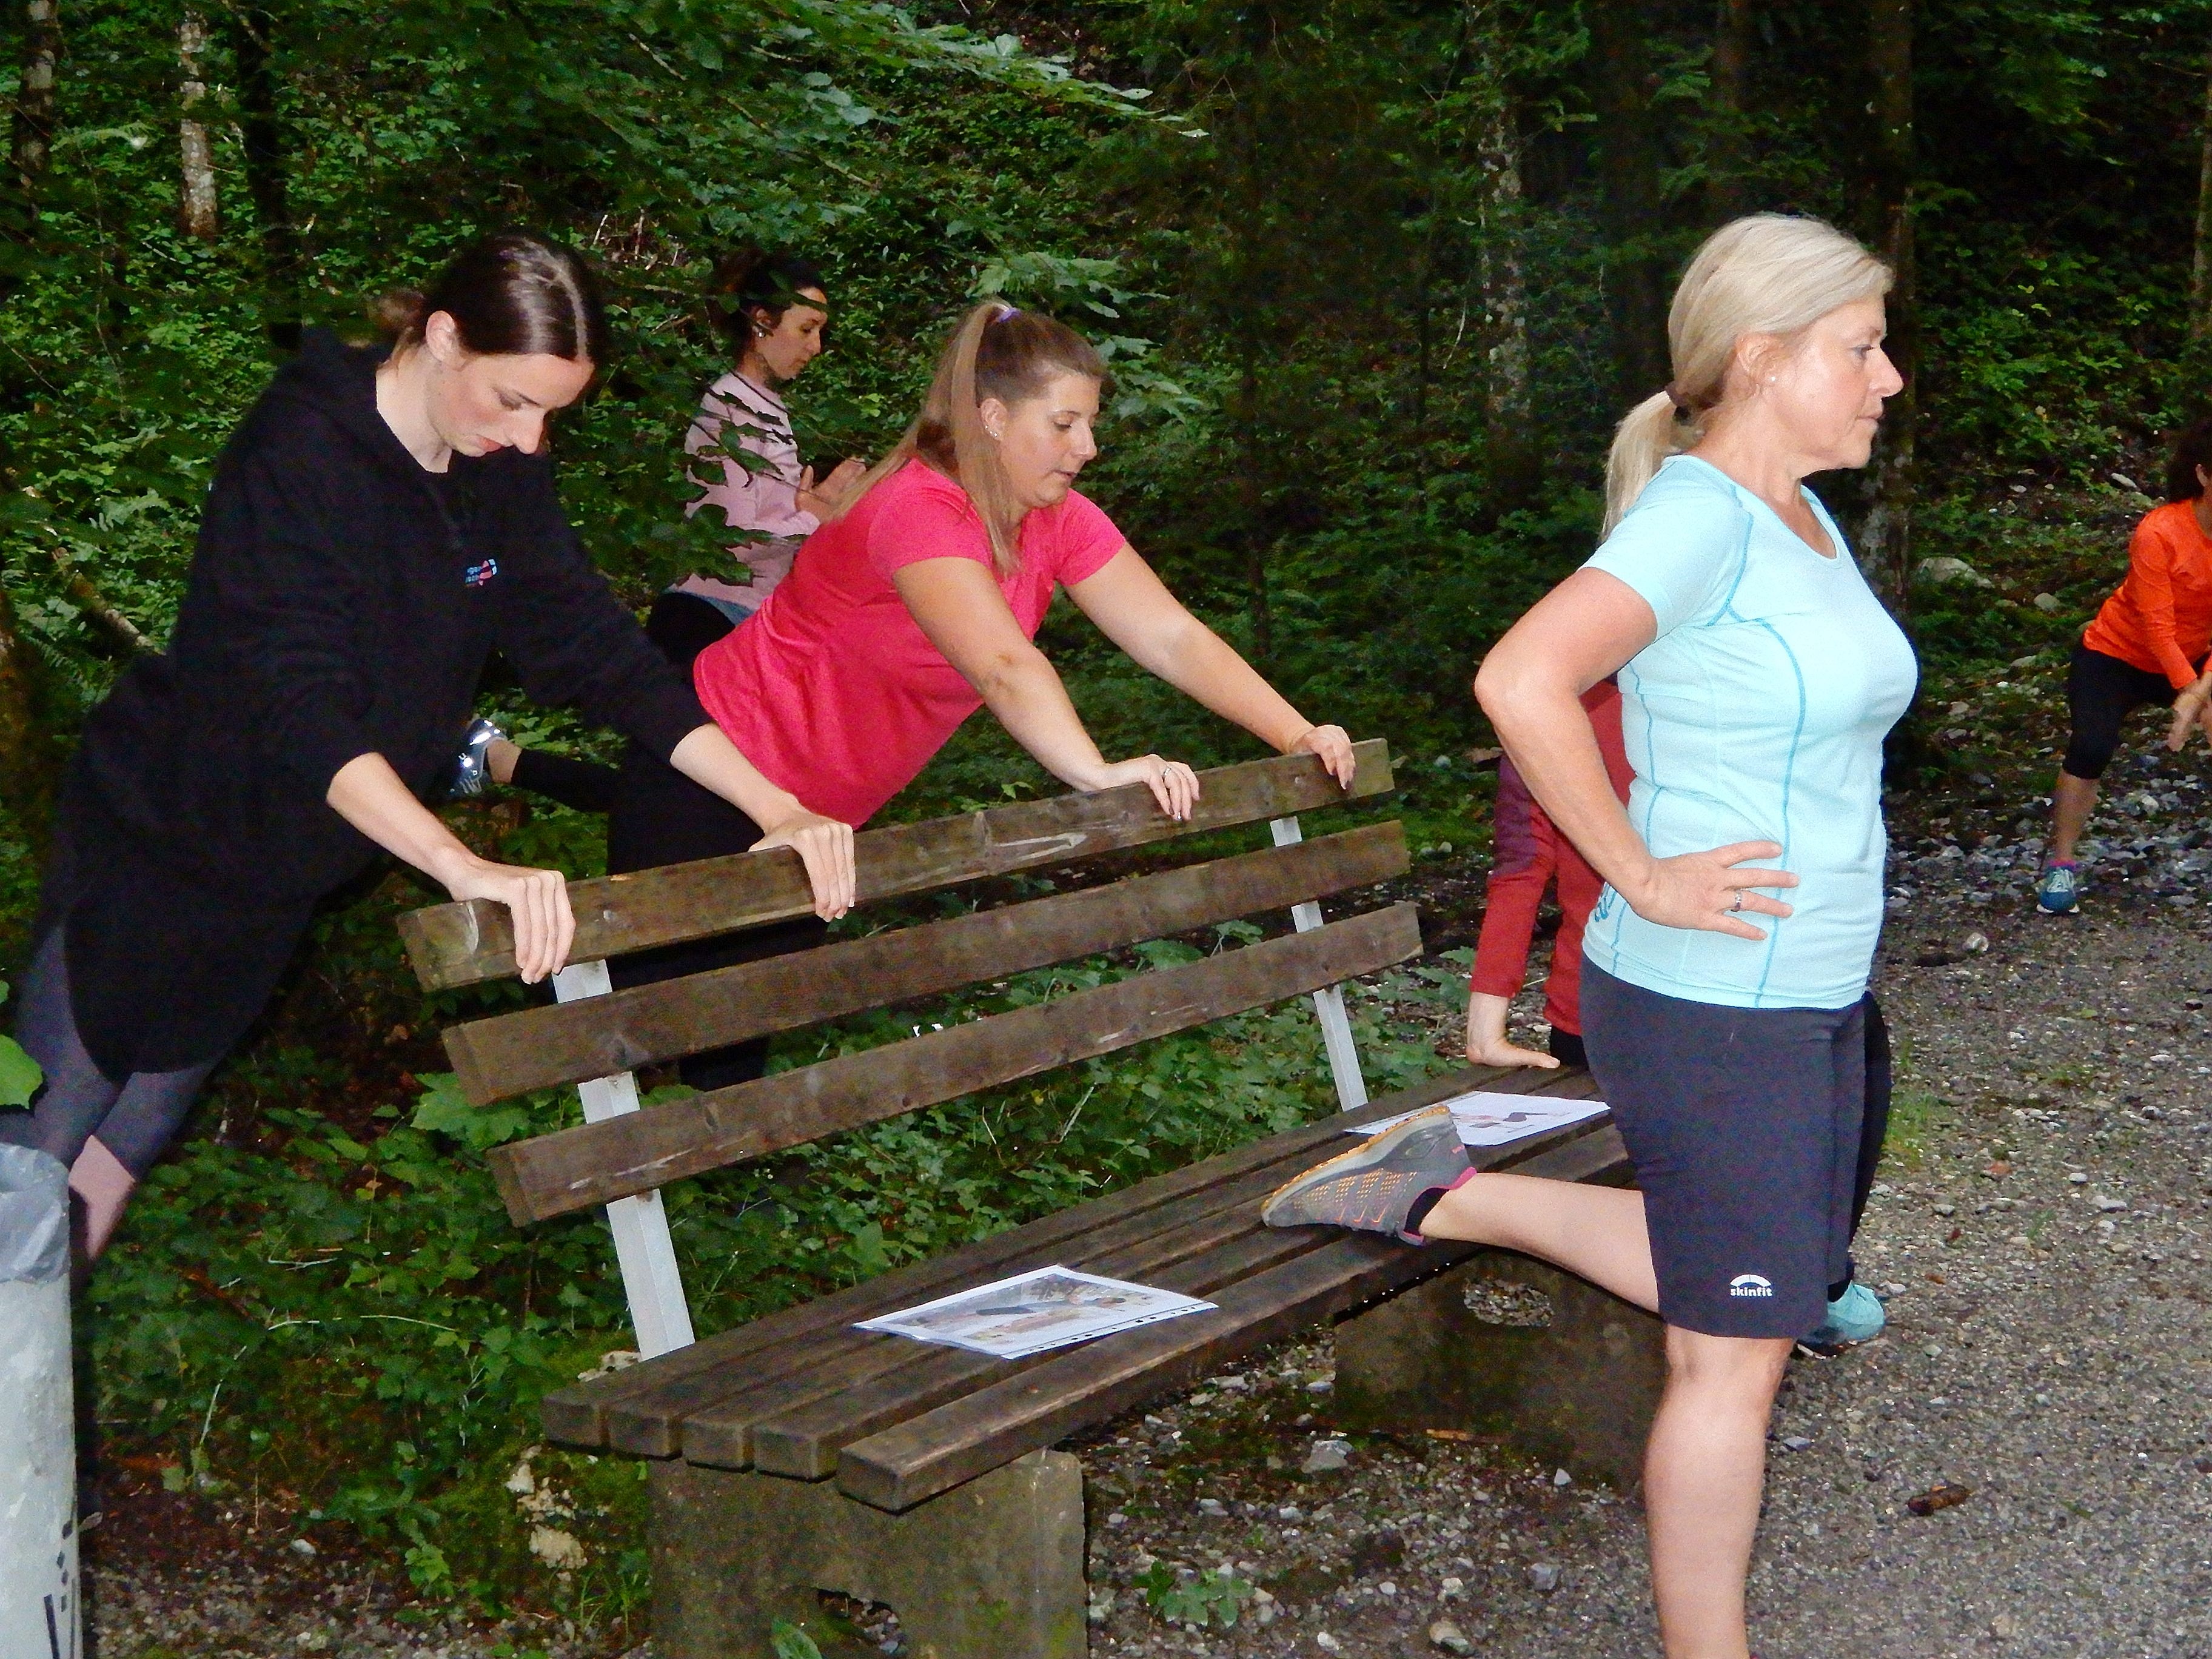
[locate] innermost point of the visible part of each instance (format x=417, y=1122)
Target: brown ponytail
x=1000, y=352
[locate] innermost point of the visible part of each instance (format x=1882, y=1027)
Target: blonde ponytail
x=1000, y=352
x=1772, y=273
x=1651, y=432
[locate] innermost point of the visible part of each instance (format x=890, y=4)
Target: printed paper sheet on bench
x=1046, y=1308
x=1494, y=1120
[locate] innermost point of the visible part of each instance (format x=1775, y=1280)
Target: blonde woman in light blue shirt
x=1725, y=967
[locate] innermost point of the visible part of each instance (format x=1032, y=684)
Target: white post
x=1329, y=1003
x=642, y=1247
x=41, y=1617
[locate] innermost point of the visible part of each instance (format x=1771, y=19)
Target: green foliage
x=1195, y=1598
x=789, y=1642
x=20, y=1075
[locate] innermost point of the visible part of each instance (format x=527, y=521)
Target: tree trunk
x=32, y=139
x=1628, y=159
x=2200, y=269
x=195, y=198
x=1887, y=534
x=29, y=763
x=1499, y=266
x=1728, y=156
x=261, y=127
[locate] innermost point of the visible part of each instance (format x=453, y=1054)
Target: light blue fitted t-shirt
x=1757, y=714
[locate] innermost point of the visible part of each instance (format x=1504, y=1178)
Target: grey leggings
x=134, y=1119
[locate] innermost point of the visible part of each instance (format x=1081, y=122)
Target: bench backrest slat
x=538, y=1047
x=575, y=1168
x=465, y=944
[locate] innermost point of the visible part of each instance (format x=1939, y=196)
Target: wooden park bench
x=796, y=1453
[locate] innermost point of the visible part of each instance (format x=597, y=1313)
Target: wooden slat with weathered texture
x=767, y=1383
x=567, y=1043
x=467, y=943
x=597, y=1162
x=804, y=1440
x=900, y=1466
x=578, y=1415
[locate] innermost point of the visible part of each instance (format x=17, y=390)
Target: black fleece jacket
x=343, y=602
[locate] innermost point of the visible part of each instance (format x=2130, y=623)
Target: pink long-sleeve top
x=760, y=502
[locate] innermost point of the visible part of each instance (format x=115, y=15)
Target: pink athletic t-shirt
x=831, y=688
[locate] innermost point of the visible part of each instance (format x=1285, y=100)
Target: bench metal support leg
x=993, y=1569
x=1508, y=1347
x=643, y=1249
x=1329, y=1002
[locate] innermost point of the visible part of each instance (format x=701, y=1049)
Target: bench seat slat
x=812, y=1415
x=770, y=1381
x=597, y=1162
x=804, y=1441
x=595, y=1036
x=717, y=1431
x=930, y=1454
x=578, y=1415
x=470, y=942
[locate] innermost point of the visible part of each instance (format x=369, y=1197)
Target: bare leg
x=1702, y=1476
x=1597, y=1232
x=2071, y=800
x=103, y=1185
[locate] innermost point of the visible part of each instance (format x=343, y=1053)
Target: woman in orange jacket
x=2148, y=644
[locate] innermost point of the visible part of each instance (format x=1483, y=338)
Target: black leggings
x=2101, y=691
x=1876, y=1128
x=134, y=1119
x=660, y=816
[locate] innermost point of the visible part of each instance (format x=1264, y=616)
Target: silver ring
x=1738, y=905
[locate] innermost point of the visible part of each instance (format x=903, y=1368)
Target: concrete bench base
x=1505, y=1347
x=991, y=1570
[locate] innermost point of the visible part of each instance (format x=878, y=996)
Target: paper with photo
x=1488, y=1119
x=1031, y=1312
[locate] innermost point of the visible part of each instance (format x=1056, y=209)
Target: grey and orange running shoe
x=1374, y=1186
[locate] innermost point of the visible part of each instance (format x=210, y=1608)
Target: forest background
x=1376, y=277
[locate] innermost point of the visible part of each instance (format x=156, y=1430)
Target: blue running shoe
x=2058, y=890
x=1855, y=1317
x=474, y=772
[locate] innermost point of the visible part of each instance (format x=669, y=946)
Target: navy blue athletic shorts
x=1744, y=1126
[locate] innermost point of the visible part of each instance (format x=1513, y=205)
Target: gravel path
x=2041, y=1236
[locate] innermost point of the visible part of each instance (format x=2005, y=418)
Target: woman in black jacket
x=381, y=523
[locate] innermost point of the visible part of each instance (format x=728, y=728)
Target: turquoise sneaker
x=1855, y=1317
x=2058, y=890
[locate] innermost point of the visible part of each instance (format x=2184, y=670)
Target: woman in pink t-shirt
x=919, y=605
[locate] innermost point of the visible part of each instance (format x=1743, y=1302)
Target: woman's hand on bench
x=825, y=847
x=545, y=921
x=1333, y=745
x=1173, y=784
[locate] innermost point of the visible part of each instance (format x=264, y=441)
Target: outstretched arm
x=1132, y=608
x=959, y=606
